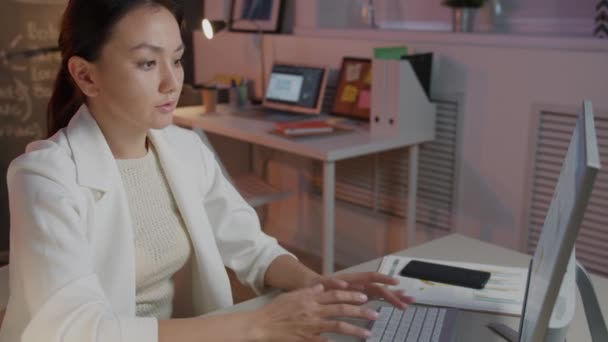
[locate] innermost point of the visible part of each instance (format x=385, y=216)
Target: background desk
x=327, y=149
x=471, y=325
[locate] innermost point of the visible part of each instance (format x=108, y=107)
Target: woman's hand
x=304, y=314
x=370, y=283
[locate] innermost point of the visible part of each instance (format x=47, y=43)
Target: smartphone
x=445, y=274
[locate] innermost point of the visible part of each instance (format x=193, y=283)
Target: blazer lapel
x=211, y=287
x=95, y=164
x=97, y=170
x=181, y=179
x=112, y=237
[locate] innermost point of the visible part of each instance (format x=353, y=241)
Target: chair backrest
x=3, y=287
x=3, y=291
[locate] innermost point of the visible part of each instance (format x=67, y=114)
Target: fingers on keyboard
x=346, y=310
x=344, y=328
x=341, y=296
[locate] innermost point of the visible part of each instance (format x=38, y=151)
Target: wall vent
x=380, y=181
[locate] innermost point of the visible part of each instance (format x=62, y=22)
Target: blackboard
x=26, y=81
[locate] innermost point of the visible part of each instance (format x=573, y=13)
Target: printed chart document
x=504, y=292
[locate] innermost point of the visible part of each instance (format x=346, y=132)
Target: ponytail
x=64, y=102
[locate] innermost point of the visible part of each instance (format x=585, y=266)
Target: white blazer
x=72, y=258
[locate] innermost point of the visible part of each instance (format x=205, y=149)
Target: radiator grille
x=380, y=182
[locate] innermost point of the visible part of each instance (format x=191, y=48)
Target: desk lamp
x=212, y=27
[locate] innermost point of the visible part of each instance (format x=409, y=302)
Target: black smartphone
x=445, y=274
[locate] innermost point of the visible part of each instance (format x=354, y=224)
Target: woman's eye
x=178, y=62
x=147, y=65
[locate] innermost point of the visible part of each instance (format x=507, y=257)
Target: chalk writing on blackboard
x=32, y=67
x=41, y=2
x=29, y=61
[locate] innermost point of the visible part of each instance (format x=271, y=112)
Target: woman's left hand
x=370, y=283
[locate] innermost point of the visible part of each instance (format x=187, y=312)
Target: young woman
x=122, y=224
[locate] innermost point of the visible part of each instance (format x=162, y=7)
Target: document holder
x=399, y=104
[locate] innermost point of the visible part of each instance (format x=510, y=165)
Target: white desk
x=471, y=325
x=327, y=149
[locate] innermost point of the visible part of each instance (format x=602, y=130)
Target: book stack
x=304, y=128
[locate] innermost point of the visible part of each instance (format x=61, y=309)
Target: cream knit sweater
x=162, y=245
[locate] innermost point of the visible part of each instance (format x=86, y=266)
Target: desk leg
x=329, y=196
x=411, y=201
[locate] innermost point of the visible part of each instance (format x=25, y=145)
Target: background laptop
x=293, y=89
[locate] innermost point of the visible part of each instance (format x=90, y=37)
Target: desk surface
x=471, y=325
x=255, y=129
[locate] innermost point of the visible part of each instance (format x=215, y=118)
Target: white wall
x=561, y=17
x=217, y=9
x=502, y=80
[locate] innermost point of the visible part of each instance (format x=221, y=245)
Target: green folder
x=390, y=52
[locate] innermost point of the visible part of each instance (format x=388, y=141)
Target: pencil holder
x=209, y=96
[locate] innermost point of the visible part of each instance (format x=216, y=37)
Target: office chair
x=3, y=291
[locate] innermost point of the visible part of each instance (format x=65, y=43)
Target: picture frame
x=256, y=16
x=353, y=91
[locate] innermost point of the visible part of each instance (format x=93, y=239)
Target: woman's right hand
x=304, y=314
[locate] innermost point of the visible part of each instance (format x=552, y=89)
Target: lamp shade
x=211, y=27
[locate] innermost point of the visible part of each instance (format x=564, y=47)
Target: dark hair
x=86, y=26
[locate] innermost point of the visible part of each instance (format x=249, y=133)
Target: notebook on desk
x=310, y=128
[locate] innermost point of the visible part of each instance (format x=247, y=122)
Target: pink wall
x=502, y=80
x=563, y=17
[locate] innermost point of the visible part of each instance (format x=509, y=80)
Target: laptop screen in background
x=295, y=85
x=285, y=87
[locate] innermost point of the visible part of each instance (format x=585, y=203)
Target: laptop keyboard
x=417, y=323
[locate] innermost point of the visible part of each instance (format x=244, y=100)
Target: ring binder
x=399, y=105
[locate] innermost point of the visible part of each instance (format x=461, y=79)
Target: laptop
x=553, y=255
x=293, y=89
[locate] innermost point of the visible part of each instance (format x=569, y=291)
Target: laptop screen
x=296, y=88
x=285, y=87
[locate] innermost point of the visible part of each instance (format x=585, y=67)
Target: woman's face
x=139, y=75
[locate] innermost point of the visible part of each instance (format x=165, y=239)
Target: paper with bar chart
x=504, y=292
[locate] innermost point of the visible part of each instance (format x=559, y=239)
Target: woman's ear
x=82, y=72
